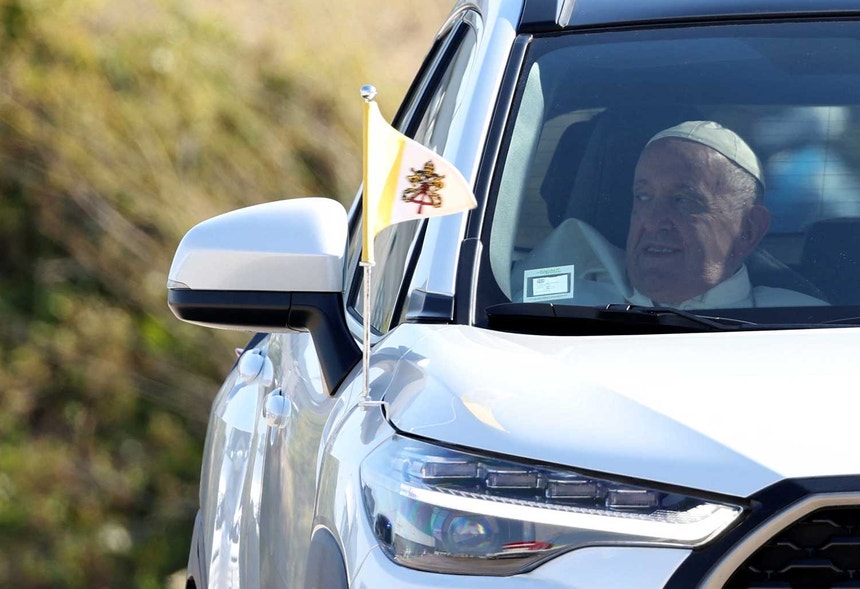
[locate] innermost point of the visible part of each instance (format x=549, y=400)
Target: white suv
x=629, y=366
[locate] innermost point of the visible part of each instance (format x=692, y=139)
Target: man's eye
x=688, y=203
x=641, y=197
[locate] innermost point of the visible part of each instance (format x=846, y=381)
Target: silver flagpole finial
x=368, y=92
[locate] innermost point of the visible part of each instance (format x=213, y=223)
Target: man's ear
x=754, y=226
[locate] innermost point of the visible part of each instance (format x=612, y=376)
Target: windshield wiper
x=614, y=319
x=717, y=323
x=844, y=321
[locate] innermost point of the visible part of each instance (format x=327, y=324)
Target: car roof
x=548, y=15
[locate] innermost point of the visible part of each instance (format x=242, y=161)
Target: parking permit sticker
x=548, y=284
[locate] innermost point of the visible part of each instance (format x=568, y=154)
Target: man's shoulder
x=768, y=296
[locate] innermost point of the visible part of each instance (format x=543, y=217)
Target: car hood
x=723, y=412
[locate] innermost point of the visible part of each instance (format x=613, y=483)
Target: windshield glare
x=748, y=199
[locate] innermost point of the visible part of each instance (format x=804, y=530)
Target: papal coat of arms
x=426, y=184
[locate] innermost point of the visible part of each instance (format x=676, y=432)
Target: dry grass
x=337, y=46
x=123, y=123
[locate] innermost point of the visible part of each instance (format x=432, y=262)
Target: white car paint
x=294, y=245
x=716, y=412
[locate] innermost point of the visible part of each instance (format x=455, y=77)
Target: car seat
x=831, y=258
x=598, y=189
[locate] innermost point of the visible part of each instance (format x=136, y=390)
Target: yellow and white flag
x=404, y=180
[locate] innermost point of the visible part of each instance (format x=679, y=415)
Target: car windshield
x=749, y=201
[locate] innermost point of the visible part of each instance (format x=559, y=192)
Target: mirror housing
x=295, y=245
x=273, y=267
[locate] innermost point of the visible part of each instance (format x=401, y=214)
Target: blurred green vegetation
x=121, y=125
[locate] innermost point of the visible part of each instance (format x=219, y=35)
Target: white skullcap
x=718, y=138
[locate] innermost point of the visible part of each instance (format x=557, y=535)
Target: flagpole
x=368, y=93
x=365, y=347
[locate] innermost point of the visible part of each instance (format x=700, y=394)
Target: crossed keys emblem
x=426, y=184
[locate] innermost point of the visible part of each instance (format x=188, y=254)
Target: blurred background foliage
x=122, y=124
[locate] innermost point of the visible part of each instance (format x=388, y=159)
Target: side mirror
x=293, y=245
x=272, y=267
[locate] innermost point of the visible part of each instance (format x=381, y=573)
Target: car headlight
x=436, y=509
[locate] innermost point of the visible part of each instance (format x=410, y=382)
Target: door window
x=434, y=105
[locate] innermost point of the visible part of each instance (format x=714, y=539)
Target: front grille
x=820, y=551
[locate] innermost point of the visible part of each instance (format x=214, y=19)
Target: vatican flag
x=404, y=180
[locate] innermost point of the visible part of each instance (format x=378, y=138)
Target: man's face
x=686, y=227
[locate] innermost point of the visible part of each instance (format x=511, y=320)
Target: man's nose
x=657, y=214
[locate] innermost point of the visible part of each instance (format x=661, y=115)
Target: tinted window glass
x=701, y=229
x=394, y=245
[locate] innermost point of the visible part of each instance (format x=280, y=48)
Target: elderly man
x=697, y=215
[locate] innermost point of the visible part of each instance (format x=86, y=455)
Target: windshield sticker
x=548, y=284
